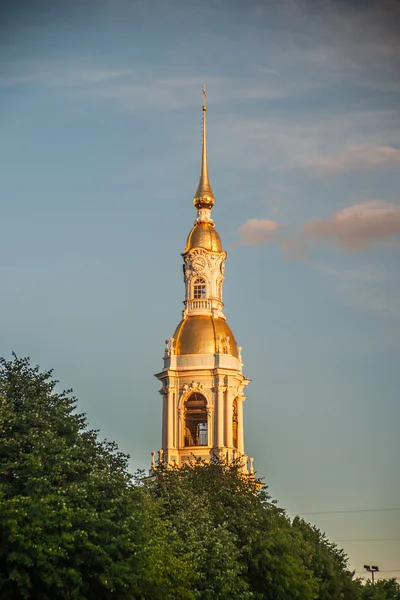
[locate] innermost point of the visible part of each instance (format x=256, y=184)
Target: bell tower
x=202, y=382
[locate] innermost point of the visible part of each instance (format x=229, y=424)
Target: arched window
x=220, y=291
x=235, y=424
x=199, y=288
x=196, y=420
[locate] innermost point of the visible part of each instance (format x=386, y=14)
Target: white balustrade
x=199, y=304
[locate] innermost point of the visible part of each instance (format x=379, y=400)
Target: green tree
x=383, y=589
x=206, y=542
x=328, y=563
x=243, y=546
x=73, y=526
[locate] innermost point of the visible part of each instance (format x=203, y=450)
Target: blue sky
x=99, y=159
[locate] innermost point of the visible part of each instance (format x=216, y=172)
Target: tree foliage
x=328, y=563
x=72, y=524
x=266, y=556
x=383, y=589
x=75, y=525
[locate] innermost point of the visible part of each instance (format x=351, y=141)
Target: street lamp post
x=371, y=569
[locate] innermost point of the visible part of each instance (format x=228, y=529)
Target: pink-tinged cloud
x=357, y=227
x=257, y=231
x=355, y=158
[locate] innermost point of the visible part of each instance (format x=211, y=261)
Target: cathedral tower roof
x=202, y=379
x=204, y=235
x=204, y=197
x=202, y=334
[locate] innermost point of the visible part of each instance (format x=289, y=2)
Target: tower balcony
x=203, y=306
x=193, y=305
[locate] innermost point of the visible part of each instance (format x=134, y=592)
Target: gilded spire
x=204, y=198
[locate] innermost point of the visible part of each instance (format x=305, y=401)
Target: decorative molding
x=212, y=263
x=168, y=385
x=223, y=344
x=193, y=386
x=221, y=388
x=164, y=389
x=169, y=347
x=196, y=252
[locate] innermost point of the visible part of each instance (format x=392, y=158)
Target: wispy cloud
x=354, y=228
x=65, y=76
x=355, y=157
x=368, y=288
x=99, y=75
x=146, y=91
x=276, y=141
x=257, y=231
x=353, y=40
x=357, y=227
x=16, y=80
x=308, y=142
x=130, y=90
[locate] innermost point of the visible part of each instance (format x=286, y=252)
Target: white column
x=215, y=418
x=220, y=417
x=240, y=426
x=175, y=419
x=228, y=417
x=170, y=419
x=164, y=422
x=210, y=427
x=179, y=426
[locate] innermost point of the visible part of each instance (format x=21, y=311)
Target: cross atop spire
x=204, y=198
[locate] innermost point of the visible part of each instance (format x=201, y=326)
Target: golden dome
x=204, y=235
x=198, y=335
